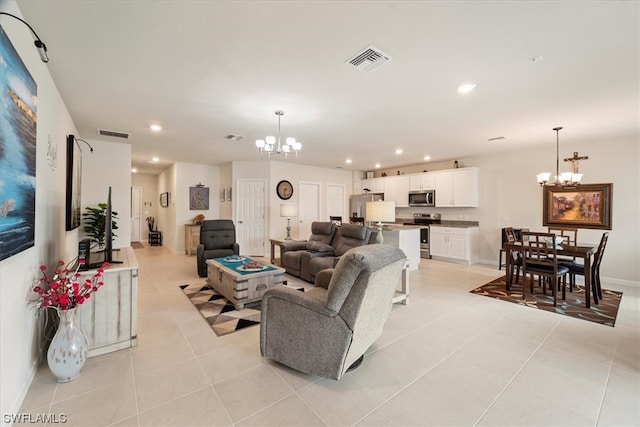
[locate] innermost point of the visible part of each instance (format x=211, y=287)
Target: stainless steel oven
x=424, y=220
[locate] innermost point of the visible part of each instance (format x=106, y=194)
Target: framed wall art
x=18, y=147
x=583, y=206
x=74, y=173
x=164, y=200
x=199, y=198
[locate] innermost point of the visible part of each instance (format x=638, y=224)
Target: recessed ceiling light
x=427, y=157
x=134, y=170
x=377, y=165
x=466, y=87
x=155, y=128
x=154, y=160
x=348, y=161
x=398, y=150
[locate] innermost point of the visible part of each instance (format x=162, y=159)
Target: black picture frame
x=582, y=206
x=73, y=215
x=164, y=200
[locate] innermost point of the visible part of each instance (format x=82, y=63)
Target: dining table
x=582, y=251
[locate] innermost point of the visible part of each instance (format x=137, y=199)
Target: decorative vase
x=68, y=349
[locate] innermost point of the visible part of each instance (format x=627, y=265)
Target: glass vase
x=68, y=349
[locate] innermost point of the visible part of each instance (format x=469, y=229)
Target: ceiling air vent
x=113, y=133
x=233, y=137
x=369, y=59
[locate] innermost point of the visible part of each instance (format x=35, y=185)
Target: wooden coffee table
x=239, y=285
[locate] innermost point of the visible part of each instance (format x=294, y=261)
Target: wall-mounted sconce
x=42, y=48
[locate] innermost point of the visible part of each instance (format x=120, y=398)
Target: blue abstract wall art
x=18, y=120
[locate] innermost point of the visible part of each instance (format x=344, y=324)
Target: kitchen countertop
x=457, y=224
x=400, y=227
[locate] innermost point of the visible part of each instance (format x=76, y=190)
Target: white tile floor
x=447, y=358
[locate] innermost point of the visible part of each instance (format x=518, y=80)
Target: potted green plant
x=94, y=221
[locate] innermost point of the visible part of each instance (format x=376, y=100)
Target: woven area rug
x=137, y=245
x=218, y=312
x=604, y=312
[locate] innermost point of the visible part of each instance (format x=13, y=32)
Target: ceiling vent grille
x=233, y=137
x=369, y=59
x=113, y=133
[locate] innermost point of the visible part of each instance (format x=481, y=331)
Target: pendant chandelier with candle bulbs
x=272, y=145
x=564, y=178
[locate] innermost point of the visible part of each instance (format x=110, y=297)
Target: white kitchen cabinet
x=396, y=189
x=375, y=185
x=454, y=243
x=457, y=188
x=422, y=181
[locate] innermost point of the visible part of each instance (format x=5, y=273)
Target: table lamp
x=379, y=212
x=288, y=210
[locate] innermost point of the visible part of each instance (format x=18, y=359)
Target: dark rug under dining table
x=605, y=312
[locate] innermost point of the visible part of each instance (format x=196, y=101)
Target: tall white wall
x=189, y=175
x=109, y=165
x=166, y=219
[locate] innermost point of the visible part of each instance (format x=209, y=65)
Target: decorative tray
x=246, y=267
x=234, y=258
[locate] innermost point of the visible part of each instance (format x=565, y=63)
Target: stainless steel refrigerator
x=358, y=204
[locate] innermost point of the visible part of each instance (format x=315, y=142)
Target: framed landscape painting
x=583, y=206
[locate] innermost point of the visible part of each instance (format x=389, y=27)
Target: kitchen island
x=407, y=238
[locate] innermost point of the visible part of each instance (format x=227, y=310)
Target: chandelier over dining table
x=565, y=178
x=272, y=145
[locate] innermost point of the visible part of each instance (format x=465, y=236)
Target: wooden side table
x=274, y=243
x=191, y=238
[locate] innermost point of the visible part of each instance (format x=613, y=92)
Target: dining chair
x=541, y=258
x=575, y=268
x=570, y=236
x=515, y=258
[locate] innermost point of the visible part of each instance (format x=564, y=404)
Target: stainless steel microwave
x=422, y=198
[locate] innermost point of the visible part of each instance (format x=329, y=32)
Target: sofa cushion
x=319, y=247
x=351, y=236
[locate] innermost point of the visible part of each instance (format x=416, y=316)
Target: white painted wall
x=109, y=165
x=226, y=181
x=189, y=175
x=19, y=345
x=295, y=173
x=166, y=219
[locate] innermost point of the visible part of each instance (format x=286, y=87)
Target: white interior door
x=136, y=208
x=250, y=223
x=337, y=201
x=309, y=208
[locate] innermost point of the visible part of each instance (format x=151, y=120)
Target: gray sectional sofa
x=324, y=248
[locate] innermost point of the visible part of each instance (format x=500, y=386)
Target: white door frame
x=304, y=223
x=343, y=202
x=259, y=249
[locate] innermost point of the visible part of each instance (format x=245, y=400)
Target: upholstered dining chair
x=575, y=268
x=326, y=330
x=540, y=257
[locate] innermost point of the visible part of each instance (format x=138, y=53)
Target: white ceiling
x=205, y=69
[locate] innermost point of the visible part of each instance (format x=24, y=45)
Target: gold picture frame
x=582, y=206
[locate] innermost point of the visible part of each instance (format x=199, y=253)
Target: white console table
x=109, y=317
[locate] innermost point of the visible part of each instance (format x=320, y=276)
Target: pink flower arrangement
x=64, y=291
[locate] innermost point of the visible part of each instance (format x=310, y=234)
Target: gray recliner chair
x=217, y=239
x=327, y=329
